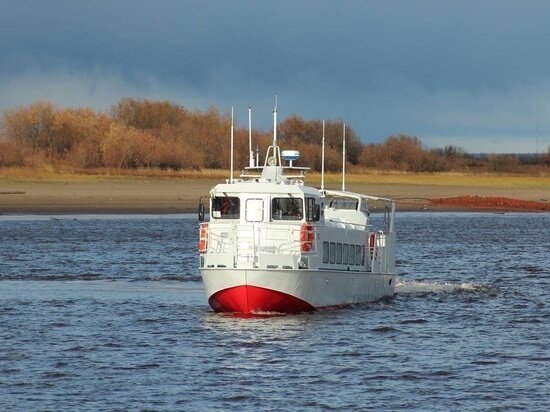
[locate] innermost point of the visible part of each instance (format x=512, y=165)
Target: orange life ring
x=203, y=238
x=307, y=237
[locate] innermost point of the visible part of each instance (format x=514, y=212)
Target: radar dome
x=290, y=155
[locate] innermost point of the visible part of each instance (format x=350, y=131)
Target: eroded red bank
x=491, y=203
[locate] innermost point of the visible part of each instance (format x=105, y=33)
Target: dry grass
x=45, y=189
x=48, y=173
x=64, y=173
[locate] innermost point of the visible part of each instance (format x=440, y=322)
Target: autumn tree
x=297, y=133
x=148, y=115
x=31, y=125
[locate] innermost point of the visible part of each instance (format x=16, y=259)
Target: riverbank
x=73, y=193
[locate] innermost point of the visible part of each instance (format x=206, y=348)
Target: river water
x=108, y=313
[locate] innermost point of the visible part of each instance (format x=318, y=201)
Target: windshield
x=287, y=208
x=226, y=207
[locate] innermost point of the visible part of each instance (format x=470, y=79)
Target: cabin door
x=254, y=218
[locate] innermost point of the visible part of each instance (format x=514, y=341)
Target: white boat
x=273, y=244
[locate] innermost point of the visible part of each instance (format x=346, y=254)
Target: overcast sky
x=475, y=74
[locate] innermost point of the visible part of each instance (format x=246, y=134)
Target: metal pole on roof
x=275, y=123
x=344, y=161
x=231, y=173
x=250, y=151
x=323, y=159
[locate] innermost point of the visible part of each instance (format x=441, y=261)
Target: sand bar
x=181, y=195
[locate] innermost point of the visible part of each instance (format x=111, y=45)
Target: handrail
x=262, y=237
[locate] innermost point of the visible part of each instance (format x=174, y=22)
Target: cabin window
x=310, y=208
x=345, y=254
x=254, y=210
x=226, y=207
x=287, y=208
x=325, y=252
x=357, y=254
x=351, y=260
x=332, y=252
x=339, y=253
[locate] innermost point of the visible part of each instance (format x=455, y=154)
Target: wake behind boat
x=273, y=244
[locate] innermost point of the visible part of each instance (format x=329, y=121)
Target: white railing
x=255, y=238
x=382, y=252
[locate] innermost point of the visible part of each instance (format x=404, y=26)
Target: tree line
x=140, y=133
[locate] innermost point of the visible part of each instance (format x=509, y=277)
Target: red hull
x=251, y=299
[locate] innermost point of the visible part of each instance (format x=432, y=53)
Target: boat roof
x=353, y=195
x=261, y=185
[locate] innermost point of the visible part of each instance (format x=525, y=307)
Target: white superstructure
x=273, y=244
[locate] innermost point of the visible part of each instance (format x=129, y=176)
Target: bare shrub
x=11, y=154
x=176, y=155
x=72, y=126
x=127, y=147
x=295, y=131
x=397, y=153
x=503, y=163
x=148, y=115
x=31, y=125
x=87, y=153
x=433, y=162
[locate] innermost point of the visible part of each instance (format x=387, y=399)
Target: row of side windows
x=343, y=254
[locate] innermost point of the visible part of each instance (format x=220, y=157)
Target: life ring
x=203, y=238
x=307, y=237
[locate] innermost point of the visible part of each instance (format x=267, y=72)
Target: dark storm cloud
x=438, y=69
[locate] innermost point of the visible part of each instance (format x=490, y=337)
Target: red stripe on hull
x=252, y=299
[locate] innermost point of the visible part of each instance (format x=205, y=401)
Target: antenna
x=344, y=161
x=275, y=123
x=323, y=159
x=251, y=159
x=231, y=172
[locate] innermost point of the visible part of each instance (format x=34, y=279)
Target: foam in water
x=411, y=287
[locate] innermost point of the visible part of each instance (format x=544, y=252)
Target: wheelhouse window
x=287, y=208
x=226, y=207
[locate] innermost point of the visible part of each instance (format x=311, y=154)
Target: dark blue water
x=108, y=313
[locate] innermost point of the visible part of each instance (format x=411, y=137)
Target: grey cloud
x=428, y=68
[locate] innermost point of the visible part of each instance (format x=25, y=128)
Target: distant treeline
x=160, y=134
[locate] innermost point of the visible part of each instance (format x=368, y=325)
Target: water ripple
x=110, y=314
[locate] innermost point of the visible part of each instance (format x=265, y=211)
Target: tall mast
x=275, y=123
x=231, y=173
x=251, y=153
x=323, y=159
x=344, y=161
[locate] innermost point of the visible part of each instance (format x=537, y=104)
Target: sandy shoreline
x=182, y=196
